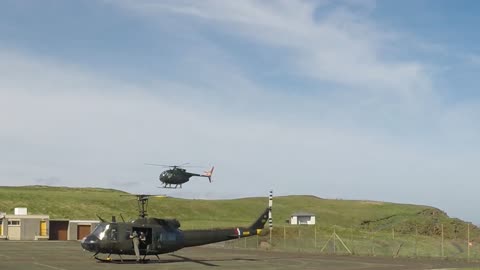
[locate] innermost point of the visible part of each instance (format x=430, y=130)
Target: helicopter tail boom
x=203, y=237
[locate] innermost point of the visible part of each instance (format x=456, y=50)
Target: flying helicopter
x=177, y=175
x=161, y=235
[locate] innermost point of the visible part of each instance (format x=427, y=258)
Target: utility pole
x=443, y=254
x=468, y=242
x=334, y=240
x=416, y=240
x=351, y=239
x=298, y=241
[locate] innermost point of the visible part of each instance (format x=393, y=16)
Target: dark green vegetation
x=86, y=203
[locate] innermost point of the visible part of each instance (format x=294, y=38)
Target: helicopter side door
x=145, y=237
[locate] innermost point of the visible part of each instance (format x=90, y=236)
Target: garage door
x=83, y=230
x=14, y=232
x=58, y=230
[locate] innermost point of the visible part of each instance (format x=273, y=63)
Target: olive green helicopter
x=160, y=235
x=177, y=175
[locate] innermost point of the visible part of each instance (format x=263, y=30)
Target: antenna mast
x=270, y=221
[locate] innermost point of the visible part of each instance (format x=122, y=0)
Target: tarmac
x=68, y=255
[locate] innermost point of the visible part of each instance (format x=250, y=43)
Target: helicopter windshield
x=166, y=174
x=100, y=230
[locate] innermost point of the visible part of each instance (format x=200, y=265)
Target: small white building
x=22, y=226
x=302, y=218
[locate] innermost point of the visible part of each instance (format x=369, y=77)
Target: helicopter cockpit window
x=100, y=230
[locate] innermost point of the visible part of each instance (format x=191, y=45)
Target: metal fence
x=352, y=241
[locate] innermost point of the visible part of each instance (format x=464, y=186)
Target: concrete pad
x=58, y=255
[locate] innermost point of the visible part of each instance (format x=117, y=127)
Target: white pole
x=270, y=221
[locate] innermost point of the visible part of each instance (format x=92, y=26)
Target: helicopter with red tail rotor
x=177, y=175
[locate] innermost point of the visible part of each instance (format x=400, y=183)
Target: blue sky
x=348, y=99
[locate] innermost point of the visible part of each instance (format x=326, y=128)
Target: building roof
x=302, y=214
x=26, y=216
x=85, y=221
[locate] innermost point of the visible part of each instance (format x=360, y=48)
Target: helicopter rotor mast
x=142, y=202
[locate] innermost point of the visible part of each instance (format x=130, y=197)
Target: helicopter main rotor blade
x=184, y=165
x=145, y=195
x=161, y=165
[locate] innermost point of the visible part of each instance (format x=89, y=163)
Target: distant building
x=58, y=229
x=77, y=229
x=2, y=217
x=21, y=226
x=64, y=229
x=20, y=211
x=302, y=218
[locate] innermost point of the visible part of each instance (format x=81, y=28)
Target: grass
x=87, y=203
x=366, y=227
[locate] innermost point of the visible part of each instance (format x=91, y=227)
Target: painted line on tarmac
x=49, y=266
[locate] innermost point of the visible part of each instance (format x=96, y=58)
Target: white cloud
x=62, y=121
x=473, y=58
x=96, y=136
x=340, y=46
x=80, y=127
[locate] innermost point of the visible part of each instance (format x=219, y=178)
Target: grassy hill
x=86, y=203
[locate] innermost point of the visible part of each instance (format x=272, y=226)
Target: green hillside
x=86, y=203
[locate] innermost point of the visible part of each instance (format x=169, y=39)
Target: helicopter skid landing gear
x=121, y=261
x=171, y=187
x=103, y=260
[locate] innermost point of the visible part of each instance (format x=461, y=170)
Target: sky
x=347, y=99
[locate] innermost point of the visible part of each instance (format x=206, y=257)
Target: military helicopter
x=161, y=235
x=177, y=175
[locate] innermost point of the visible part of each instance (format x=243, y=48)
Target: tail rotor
x=209, y=174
